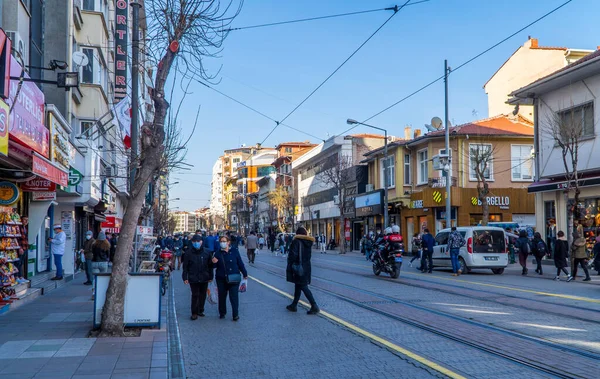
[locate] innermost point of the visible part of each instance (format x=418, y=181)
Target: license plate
x=490, y=258
x=399, y=259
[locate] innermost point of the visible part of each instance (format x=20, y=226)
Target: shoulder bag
x=298, y=268
x=231, y=278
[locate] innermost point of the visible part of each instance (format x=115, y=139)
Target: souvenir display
x=9, y=250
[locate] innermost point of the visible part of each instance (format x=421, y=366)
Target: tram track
x=510, y=356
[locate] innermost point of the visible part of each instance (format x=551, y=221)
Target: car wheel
x=498, y=271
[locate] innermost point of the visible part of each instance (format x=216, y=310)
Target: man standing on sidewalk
x=251, y=246
x=89, y=255
x=57, y=244
x=427, y=256
x=455, y=242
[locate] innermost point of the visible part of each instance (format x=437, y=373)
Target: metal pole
x=135, y=52
x=449, y=172
x=385, y=182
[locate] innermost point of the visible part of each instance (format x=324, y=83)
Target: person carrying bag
x=198, y=266
x=299, y=270
x=230, y=268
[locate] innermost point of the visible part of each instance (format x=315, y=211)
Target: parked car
x=486, y=248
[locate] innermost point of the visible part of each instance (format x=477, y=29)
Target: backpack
x=525, y=248
x=541, y=248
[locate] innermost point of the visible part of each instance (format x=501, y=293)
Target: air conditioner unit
x=20, y=46
x=369, y=187
x=110, y=171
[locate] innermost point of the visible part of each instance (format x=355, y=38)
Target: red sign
x=27, y=116
x=5, y=49
x=38, y=184
x=43, y=196
x=47, y=170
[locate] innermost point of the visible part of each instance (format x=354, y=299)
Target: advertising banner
x=45, y=169
x=4, y=122
x=38, y=184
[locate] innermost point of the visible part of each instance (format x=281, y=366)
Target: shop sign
x=27, y=116
x=416, y=204
x=75, y=177
x=144, y=230
x=9, y=193
x=38, y=184
x=111, y=222
x=121, y=37
x=61, y=147
x=503, y=202
x=47, y=170
x=4, y=111
x=437, y=196
x=66, y=220
x=241, y=164
x=43, y=195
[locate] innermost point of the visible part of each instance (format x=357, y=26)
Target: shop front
x=369, y=209
x=427, y=209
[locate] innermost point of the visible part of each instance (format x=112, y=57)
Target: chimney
x=407, y=132
x=533, y=43
x=417, y=133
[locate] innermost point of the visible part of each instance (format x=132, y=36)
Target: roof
x=581, y=61
x=367, y=135
x=300, y=144
x=500, y=125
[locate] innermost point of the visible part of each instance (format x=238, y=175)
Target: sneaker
x=221, y=316
x=194, y=317
x=570, y=278
x=409, y=264
x=557, y=279
x=201, y=315
x=588, y=279
x=291, y=308
x=236, y=318
x=87, y=283
x=454, y=274
x=459, y=272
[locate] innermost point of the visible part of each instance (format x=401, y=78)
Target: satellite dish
x=436, y=122
x=80, y=59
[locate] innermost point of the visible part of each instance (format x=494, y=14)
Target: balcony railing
x=440, y=182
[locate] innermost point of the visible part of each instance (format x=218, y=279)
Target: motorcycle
x=391, y=262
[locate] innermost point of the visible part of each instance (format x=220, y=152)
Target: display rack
x=10, y=233
x=143, y=248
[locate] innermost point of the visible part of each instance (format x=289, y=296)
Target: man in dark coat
x=427, y=243
x=299, y=270
x=198, y=272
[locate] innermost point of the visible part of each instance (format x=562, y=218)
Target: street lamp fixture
x=386, y=181
x=172, y=184
x=175, y=199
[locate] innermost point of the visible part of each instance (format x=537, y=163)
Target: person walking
x=416, y=248
x=113, y=246
x=89, y=255
x=580, y=257
x=369, y=246
x=251, y=246
x=57, y=246
x=540, y=250
x=100, y=254
x=298, y=270
x=323, y=243
x=455, y=242
x=524, y=247
x=272, y=242
x=596, y=255
x=198, y=266
x=427, y=256
x=561, y=253
x=178, y=247
x=229, y=266
x=261, y=242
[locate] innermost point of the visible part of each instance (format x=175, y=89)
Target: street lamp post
x=385, y=167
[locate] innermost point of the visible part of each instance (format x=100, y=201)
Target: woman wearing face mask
x=198, y=272
x=89, y=255
x=229, y=265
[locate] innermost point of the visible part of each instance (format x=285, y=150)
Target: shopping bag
x=212, y=293
x=244, y=285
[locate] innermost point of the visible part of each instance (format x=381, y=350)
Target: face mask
x=196, y=245
x=88, y=237
x=223, y=245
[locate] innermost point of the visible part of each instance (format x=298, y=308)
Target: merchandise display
x=10, y=236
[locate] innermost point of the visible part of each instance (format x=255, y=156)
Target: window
x=288, y=149
x=264, y=171
x=579, y=118
x=237, y=160
x=387, y=165
x=481, y=155
x=443, y=173
x=521, y=162
x=89, y=5
x=86, y=127
x=442, y=238
x=422, y=170
x=87, y=74
x=407, y=175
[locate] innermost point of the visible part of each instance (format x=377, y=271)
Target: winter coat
x=534, y=248
x=300, y=243
x=197, y=266
x=230, y=260
x=561, y=252
x=427, y=242
x=87, y=249
x=209, y=243
x=520, y=244
x=579, y=248
x=101, y=251
x=252, y=242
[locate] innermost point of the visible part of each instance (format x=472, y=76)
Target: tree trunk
x=342, y=235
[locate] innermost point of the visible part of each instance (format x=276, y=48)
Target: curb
x=176, y=366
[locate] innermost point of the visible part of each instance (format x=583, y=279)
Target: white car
x=486, y=248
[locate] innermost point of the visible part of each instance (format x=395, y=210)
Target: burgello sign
x=503, y=202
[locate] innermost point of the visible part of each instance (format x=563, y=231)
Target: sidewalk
x=47, y=338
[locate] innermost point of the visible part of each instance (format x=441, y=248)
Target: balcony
x=77, y=19
x=441, y=182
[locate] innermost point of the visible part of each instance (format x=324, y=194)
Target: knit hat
x=196, y=238
x=101, y=236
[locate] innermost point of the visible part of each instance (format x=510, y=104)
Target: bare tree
x=336, y=176
x=481, y=157
x=182, y=34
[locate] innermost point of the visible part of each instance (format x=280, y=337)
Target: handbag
x=297, y=268
x=231, y=278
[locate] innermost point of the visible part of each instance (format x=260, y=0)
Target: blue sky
x=272, y=69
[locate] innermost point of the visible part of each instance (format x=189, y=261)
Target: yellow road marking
x=562, y=296
x=371, y=336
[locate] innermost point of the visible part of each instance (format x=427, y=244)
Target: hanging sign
x=38, y=184
x=74, y=177
x=4, y=111
x=121, y=37
x=9, y=193
x=43, y=195
x=144, y=230
x=45, y=169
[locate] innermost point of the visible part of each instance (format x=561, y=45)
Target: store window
x=407, y=175
x=521, y=162
x=475, y=218
x=586, y=220
x=422, y=172
x=481, y=156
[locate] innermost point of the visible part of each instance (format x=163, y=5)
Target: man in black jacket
x=198, y=272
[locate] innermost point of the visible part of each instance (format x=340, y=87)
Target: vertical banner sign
x=4, y=111
x=122, y=11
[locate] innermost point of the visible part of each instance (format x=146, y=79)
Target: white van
x=486, y=248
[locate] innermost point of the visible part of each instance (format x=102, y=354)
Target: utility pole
x=448, y=152
x=135, y=106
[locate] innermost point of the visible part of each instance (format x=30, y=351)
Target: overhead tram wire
x=317, y=18
x=396, y=10
x=459, y=66
x=258, y=112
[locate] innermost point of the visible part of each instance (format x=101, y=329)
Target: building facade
x=185, y=222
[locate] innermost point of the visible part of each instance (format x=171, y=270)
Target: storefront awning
x=48, y=170
x=551, y=185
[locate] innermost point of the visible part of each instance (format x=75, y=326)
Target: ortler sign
x=121, y=37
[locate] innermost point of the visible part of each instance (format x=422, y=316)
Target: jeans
x=298, y=289
x=454, y=259
x=88, y=270
x=231, y=288
x=582, y=262
x=251, y=255
x=58, y=264
x=416, y=255
x=427, y=260
x=99, y=268
x=198, y=297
